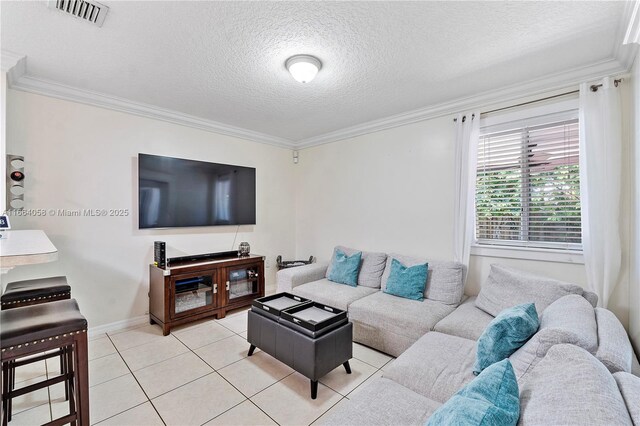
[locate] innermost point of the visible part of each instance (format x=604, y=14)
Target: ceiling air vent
x=89, y=11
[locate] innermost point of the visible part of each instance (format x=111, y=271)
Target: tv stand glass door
x=193, y=293
x=242, y=282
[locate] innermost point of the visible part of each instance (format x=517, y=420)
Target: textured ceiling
x=224, y=61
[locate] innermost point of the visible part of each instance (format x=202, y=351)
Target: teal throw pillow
x=490, y=399
x=344, y=269
x=407, y=281
x=505, y=334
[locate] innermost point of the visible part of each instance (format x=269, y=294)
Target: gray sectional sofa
x=575, y=370
x=388, y=323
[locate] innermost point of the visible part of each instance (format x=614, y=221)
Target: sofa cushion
x=392, y=314
x=614, y=347
x=345, y=268
x=466, y=321
x=381, y=402
x=575, y=315
x=371, y=267
x=506, y=287
x=436, y=366
x=444, y=280
x=407, y=281
x=505, y=335
x=570, y=319
x=337, y=295
x=629, y=386
x=490, y=399
x=570, y=386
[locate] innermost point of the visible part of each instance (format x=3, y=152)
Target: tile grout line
x=193, y=350
x=371, y=365
x=171, y=390
x=122, y=412
x=345, y=395
x=261, y=410
x=247, y=398
x=139, y=385
x=327, y=410
x=15, y=413
x=327, y=386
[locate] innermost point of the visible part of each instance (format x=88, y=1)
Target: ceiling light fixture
x=303, y=67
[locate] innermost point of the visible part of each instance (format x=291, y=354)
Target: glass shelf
x=243, y=282
x=193, y=293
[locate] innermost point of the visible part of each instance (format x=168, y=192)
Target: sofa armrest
x=289, y=278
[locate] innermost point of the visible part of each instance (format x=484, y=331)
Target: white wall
x=634, y=288
x=392, y=191
x=387, y=191
x=78, y=156
x=3, y=134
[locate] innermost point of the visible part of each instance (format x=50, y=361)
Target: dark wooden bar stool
x=32, y=330
x=36, y=291
x=33, y=292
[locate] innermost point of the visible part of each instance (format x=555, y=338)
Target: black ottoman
x=309, y=337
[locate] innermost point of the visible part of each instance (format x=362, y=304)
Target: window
x=528, y=183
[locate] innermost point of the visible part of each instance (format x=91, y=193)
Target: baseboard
x=118, y=325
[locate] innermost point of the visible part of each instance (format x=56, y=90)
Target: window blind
x=528, y=184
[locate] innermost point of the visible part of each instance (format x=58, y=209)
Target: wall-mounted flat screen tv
x=173, y=192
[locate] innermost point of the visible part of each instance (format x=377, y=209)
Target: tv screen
x=173, y=192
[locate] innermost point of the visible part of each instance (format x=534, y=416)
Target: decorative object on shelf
x=15, y=182
x=244, y=249
x=282, y=264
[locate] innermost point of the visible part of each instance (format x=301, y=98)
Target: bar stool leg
x=68, y=360
x=5, y=391
x=12, y=386
x=64, y=369
x=81, y=373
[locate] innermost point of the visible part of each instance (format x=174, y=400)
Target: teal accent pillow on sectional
x=345, y=268
x=407, y=281
x=490, y=399
x=505, y=334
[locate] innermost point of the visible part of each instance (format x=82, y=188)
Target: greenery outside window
x=528, y=183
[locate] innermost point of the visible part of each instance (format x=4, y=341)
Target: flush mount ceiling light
x=303, y=67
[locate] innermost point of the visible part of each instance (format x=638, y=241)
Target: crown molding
x=9, y=60
x=632, y=21
x=628, y=37
x=531, y=88
x=19, y=80
x=53, y=89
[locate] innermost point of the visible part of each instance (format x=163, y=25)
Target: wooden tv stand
x=189, y=291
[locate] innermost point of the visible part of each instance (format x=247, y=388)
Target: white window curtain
x=467, y=132
x=600, y=176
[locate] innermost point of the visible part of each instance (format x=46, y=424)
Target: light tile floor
x=199, y=374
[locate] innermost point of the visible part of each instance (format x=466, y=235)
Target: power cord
x=234, y=238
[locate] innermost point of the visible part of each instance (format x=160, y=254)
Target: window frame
x=564, y=109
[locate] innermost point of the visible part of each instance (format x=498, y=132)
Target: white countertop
x=26, y=247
